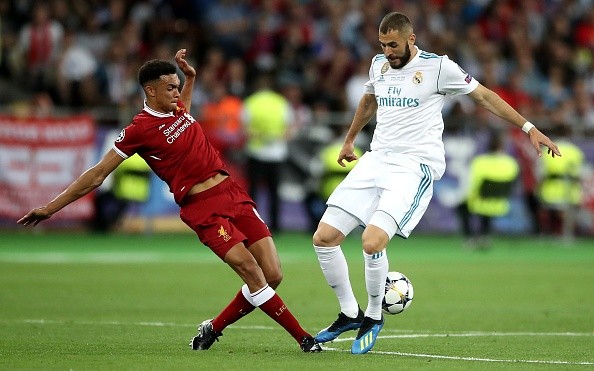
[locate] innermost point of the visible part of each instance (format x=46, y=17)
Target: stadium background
x=76, y=300
x=536, y=54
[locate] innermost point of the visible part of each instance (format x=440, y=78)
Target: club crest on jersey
x=223, y=233
x=121, y=136
x=417, y=78
x=385, y=67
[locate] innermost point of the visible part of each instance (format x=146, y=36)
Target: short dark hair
x=396, y=21
x=154, y=69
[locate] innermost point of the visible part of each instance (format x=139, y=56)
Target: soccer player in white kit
x=389, y=189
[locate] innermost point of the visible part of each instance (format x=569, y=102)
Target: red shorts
x=223, y=216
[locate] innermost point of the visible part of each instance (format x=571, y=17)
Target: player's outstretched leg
x=206, y=336
x=367, y=335
x=342, y=324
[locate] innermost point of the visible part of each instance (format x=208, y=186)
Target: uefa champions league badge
x=121, y=136
x=417, y=78
x=385, y=67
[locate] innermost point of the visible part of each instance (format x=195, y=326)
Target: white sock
x=376, y=271
x=336, y=271
x=259, y=297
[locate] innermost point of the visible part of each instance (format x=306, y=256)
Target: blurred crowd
x=72, y=56
x=537, y=54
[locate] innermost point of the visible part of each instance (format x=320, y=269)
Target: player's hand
x=184, y=66
x=35, y=216
x=537, y=139
x=347, y=153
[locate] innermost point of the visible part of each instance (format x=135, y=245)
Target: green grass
x=78, y=301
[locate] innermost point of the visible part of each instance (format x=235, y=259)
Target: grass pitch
x=80, y=301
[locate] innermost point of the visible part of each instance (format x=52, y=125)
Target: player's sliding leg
x=256, y=293
x=270, y=303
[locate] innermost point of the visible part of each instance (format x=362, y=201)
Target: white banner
x=39, y=158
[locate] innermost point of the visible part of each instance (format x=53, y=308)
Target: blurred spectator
x=514, y=94
x=40, y=42
x=529, y=164
x=268, y=118
x=560, y=188
x=555, y=90
x=261, y=52
x=42, y=105
x=221, y=122
x=120, y=74
x=331, y=174
x=77, y=69
x=229, y=23
x=290, y=87
x=492, y=176
x=236, y=77
x=353, y=88
x=209, y=74
x=581, y=117
x=584, y=30
x=131, y=185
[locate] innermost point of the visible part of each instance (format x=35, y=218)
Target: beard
x=401, y=61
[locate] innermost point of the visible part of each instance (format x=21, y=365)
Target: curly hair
x=154, y=69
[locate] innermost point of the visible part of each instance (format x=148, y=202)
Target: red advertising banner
x=39, y=158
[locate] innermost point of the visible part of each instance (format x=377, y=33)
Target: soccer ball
x=399, y=293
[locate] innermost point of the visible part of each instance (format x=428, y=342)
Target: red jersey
x=173, y=145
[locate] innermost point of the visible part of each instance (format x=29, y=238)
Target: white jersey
x=410, y=100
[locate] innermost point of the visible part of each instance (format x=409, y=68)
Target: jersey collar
x=152, y=112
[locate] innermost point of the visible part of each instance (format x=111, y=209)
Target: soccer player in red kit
x=221, y=213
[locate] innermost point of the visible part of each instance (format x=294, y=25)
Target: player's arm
x=88, y=181
x=365, y=111
x=495, y=104
x=190, y=75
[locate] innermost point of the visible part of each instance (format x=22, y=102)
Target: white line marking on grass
x=436, y=356
x=150, y=324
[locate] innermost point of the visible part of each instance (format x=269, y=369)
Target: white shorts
x=383, y=184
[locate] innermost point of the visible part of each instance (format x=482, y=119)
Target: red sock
x=276, y=309
x=237, y=308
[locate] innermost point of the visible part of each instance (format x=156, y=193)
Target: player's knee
x=371, y=247
x=321, y=239
x=246, y=267
x=274, y=279
x=249, y=271
x=326, y=236
x=374, y=241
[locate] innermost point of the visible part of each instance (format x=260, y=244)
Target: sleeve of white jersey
x=453, y=79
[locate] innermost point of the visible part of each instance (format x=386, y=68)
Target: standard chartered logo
x=397, y=101
x=178, y=127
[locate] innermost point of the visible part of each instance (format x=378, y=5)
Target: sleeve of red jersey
x=127, y=142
